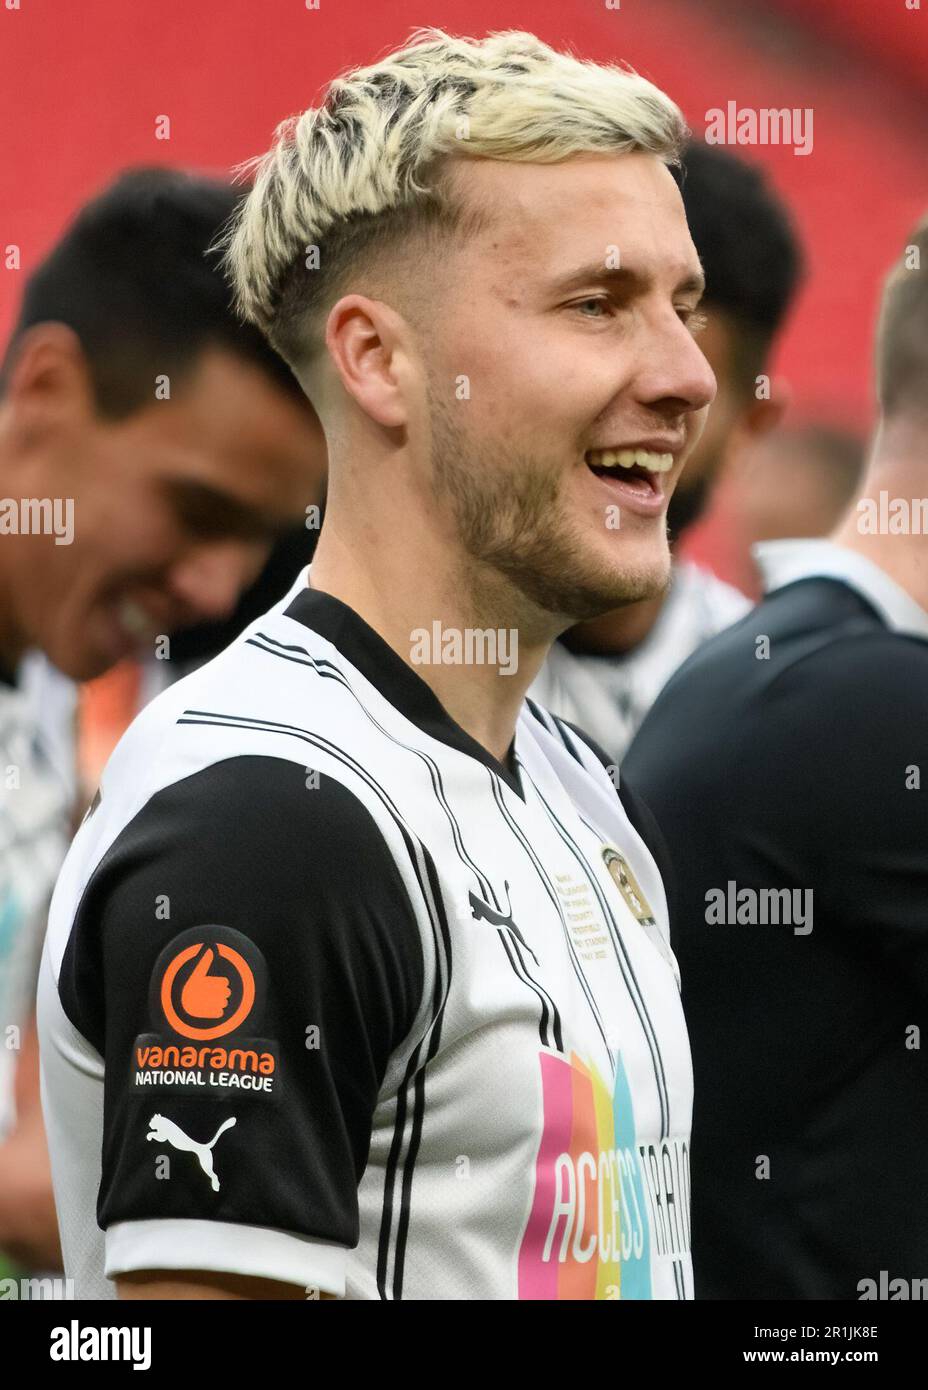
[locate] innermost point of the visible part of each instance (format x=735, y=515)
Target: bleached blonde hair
x=366, y=167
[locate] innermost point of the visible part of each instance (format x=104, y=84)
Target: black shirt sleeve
x=246, y=958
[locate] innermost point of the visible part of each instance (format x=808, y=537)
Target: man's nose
x=676, y=377
x=210, y=578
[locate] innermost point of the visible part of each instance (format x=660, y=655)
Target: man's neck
x=430, y=617
x=902, y=557
x=898, y=468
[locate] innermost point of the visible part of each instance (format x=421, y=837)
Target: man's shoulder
x=812, y=670
x=804, y=626
x=822, y=633
x=231, y=776
x=253, y=799
x=261, y=694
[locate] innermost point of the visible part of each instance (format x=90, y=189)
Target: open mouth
x=637, y=469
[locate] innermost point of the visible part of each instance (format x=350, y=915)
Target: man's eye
x=598, y=303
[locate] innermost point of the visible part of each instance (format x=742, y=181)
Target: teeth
x=628, y=458
x=134, y=618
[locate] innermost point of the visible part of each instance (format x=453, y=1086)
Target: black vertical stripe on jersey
x=547, y=1003
x=485, y=885
x=399, y=1259
x=523, y=972
x=399, y=1129
x=517, y=964
x=545, y=719
x=439, y=999
x=568, y=742
x=487, y=889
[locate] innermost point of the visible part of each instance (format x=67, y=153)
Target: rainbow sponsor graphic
x=587, y=1234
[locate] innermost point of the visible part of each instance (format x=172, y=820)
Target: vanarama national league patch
x=206, y=1001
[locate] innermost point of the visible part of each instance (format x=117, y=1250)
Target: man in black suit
x=784, y=764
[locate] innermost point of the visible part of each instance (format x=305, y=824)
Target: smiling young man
x=606, y=673
x=358, y=975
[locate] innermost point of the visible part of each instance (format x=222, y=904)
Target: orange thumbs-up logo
x=206, y=988
x=205, y=995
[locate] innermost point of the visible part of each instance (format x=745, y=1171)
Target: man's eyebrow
x=211, y=513
x=695, y=283
x=595, y=272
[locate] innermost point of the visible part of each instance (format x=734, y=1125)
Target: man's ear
x=762, y=416
x=365, y=340
x=48, y=381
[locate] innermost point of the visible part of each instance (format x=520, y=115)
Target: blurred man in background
x=797, y=482
x=191, y=646
x=784, y=764
x=605, y=674
x=151, y=448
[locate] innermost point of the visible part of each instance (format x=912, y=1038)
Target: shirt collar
x=785, y=562
x=387, y=671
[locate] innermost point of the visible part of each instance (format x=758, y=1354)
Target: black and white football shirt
x=330, y=996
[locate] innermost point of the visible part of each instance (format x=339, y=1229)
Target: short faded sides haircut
x=902, y=337
x=362, y=173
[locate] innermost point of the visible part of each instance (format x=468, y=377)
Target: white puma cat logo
x=167, y=1132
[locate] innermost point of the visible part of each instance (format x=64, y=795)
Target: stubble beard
x=511, y=521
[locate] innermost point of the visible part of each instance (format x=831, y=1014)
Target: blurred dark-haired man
x=785, y=764
x=170, y=441
x=151, y=449
x=605, y=674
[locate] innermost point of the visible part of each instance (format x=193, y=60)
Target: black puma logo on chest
x=484, y=912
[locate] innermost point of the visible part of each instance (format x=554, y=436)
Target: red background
x=82, y=82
